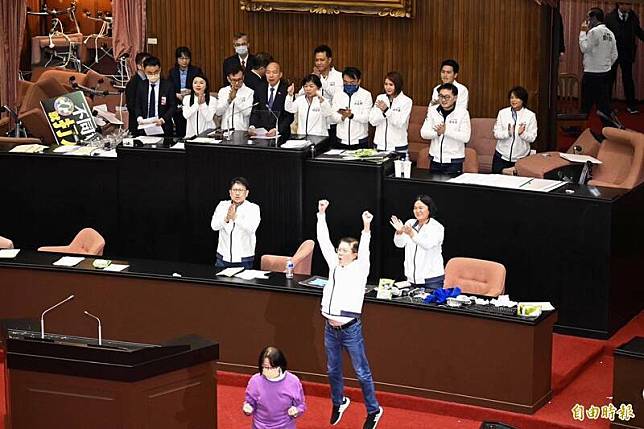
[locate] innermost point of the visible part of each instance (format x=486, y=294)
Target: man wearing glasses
x=242, y=55
x=236, y=220
x=235, y=101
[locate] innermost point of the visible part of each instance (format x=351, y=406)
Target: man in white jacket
x=235, y=101
x=341, y=306
x=236, y=220
x=448, y=128
x=351, y=109
x=449, y=73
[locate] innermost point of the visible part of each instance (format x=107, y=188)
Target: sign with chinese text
x=70, y=119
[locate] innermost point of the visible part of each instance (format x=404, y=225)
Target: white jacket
x=343, y=294
x=236, y=114
x=350, y=131
x=451, y=144
x=236, y=238
x=311, y=118
x=463, y=95
x=199, y=117
x=599, y=48
x=513, y=147
x=391, y=126
x=424, y=252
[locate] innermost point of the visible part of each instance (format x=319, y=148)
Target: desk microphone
x=42, y=316
x=230, y=123
x=277, y=129
x=100, y=331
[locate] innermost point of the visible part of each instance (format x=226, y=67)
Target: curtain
x=573, y=13
x=13, y=20
x=129, y=28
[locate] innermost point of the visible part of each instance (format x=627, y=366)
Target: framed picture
x=385, y=8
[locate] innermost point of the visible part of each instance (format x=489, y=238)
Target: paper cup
x=398, y=166
x=406, y=169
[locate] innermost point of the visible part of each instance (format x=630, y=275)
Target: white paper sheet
x=295, y=144
x=115, y=267
x=205, y=140
x=9, y=253
x=69, y=261
x=252, y=274
x=579, y=158
x=229, y=272
x=29, y=148
x=508, y=182
x=178, y=145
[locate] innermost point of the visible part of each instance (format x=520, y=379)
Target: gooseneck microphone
x=100, y=331
x=42, y=316
x=277, y=129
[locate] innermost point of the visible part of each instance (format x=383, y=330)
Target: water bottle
x=289, y=268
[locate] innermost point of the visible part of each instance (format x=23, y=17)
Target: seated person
x=448, y=128
x=311, y=108
x=351, y=111
x=155, y=98
x=268, y=105
x=181, y=76
x=199, y=108
x=515, y=130
x=449, y=73
x=390, y=115
x=236, y=220
x=235, y=101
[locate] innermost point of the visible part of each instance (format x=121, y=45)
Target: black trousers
x=595, y=90
x=627, y=80
x=498, y=163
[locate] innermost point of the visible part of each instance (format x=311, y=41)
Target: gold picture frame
x=384, y=8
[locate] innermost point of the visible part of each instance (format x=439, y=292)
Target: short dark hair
x=151, y=62
x=241, y=181
x=275, y=357
x=597, y=13
x=397, y=80
x=429, y=202
x=140, y=57
x=521, y=93
x=323, y=49
x=353, y=242
x=352, y=72
x=452, y=63
x=182, y=51
x=233, y=69
x=448, y=86
x=259, y=60
x=312, y=78
x=239, y=34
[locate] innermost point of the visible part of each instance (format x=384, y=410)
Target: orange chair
x=470, y=164
x=622, y=157
x=31, y=113
x=475, y=276
x=87, y=242
x=302, y=260
x=5, y=243
x=483, y=142
x=414, y=140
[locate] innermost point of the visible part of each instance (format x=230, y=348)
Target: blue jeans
x=247, y=263
x=454, y=167
x=350, y=339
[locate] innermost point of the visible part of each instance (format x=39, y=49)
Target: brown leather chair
x=470, y=164
x=586, y=143
x=87, y=242
x=569, y=116
x=476, y=276
x=414, y=140
x=31, y=113
x=5, y=243
x=483, y=142
x=302, y=260
x=622, y=157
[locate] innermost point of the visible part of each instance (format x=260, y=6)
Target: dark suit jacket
x=252, y=80
x=176, y=80
x=233, y=59
x=626, y=34
x=165, y=108
x=130, y=100
x=261, y=117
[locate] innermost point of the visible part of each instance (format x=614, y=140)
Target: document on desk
x=150, y=127
x=9, y=253
x=508, y=182
x=149, y=139
x=295, y=144
x=260, y=133
x=573, y=157
x=205, y=140
x=252, y=274
x=69, y=261
x=116, y=267
x=29, y=148
x=82, y=151
x=178, y=145
x=229, y=272
x=334, y=152
x=110, y=117
x=66, y=148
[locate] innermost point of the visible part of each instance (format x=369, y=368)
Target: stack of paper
x=9, y=253
x=508, y=182
x=205, y=140
x=229, y=272
x=579, y=158
x=29, y=148
x=295, y=144
x=69, y=261
x=149, y=126
x=115, y=267
x=66, y=148
x=252, y=274
x=82, y=151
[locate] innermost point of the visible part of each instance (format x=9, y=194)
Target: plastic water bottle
x=289, y=268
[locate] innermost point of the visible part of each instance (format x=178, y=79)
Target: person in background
x=515, y=130
x=235, y=101
x=449, y=73
x=155, y=98
x=310, y=108
x=256, y=71
x=181, y=76
x=236, y=220
x=331, y=80
x=199, y=108
x=422, y=238
x=625, y=25
x=268, y=105
x=341, y=305
x=274, y=396
x=242, y=56
x=131, y=90
x=390, y=115
x=448, y=127
x=351, y=109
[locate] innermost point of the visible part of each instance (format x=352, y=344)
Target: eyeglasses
x=183, y=58
x=343, y=251
x=445, y=97
x=240, y=44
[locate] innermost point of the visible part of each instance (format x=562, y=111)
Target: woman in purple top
x=274, y=397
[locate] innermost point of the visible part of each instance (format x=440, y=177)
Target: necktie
x=243, y=64
x=152, y=104
x=271, y=99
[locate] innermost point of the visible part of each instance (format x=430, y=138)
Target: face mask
x=154, y=78
x=241, y=50
x=272, y=373
x=350, y=88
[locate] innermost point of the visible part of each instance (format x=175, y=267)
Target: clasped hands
x=521, y=128
x=248, y=410
x=232, y=213
x=400, y=227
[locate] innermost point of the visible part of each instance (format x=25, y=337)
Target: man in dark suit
x=181, y=76
x=242, y=56
x=256, y=72
x=270, y=98
x=625, y=25
x=155, y=98
x=131, y=90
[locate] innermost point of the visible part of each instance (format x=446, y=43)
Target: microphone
x=277, y=129
x=230, y=124
x=42, y=316
x=100, y=331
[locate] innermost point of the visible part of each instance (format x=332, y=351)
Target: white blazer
x=199, y=117
x=513, y=147
x=236, y=114
x=391, y=125
x=450, y=145
x=350, y=131
x=311, y=117
x=424, y=252
x=237, y=237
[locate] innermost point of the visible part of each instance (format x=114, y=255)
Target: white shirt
x=350, y=131
x=156, y=98
x=391, y=126
x=236, y=237
x=462, y=99
x=599, y=48
x=513, y=147
x=268, y=92
x=311, y=117
x=199, y=117
x=236, y=114
x=451, y=144
x=343, y=294
x=423, y=252
x=331, y=84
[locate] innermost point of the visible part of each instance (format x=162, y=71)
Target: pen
x=526, y=183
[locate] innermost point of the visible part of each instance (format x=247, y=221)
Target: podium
x=73, y=382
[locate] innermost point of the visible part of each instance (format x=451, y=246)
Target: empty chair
x=5, y=243
x=476, y=276
x=569, y=115
x=302, y=260
x=87, y=242
x=622, y=157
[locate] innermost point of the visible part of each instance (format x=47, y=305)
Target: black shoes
x=372, y=419
x=337, y=411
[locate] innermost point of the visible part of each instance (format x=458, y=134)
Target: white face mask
x=241, y=50
x=154, y=78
